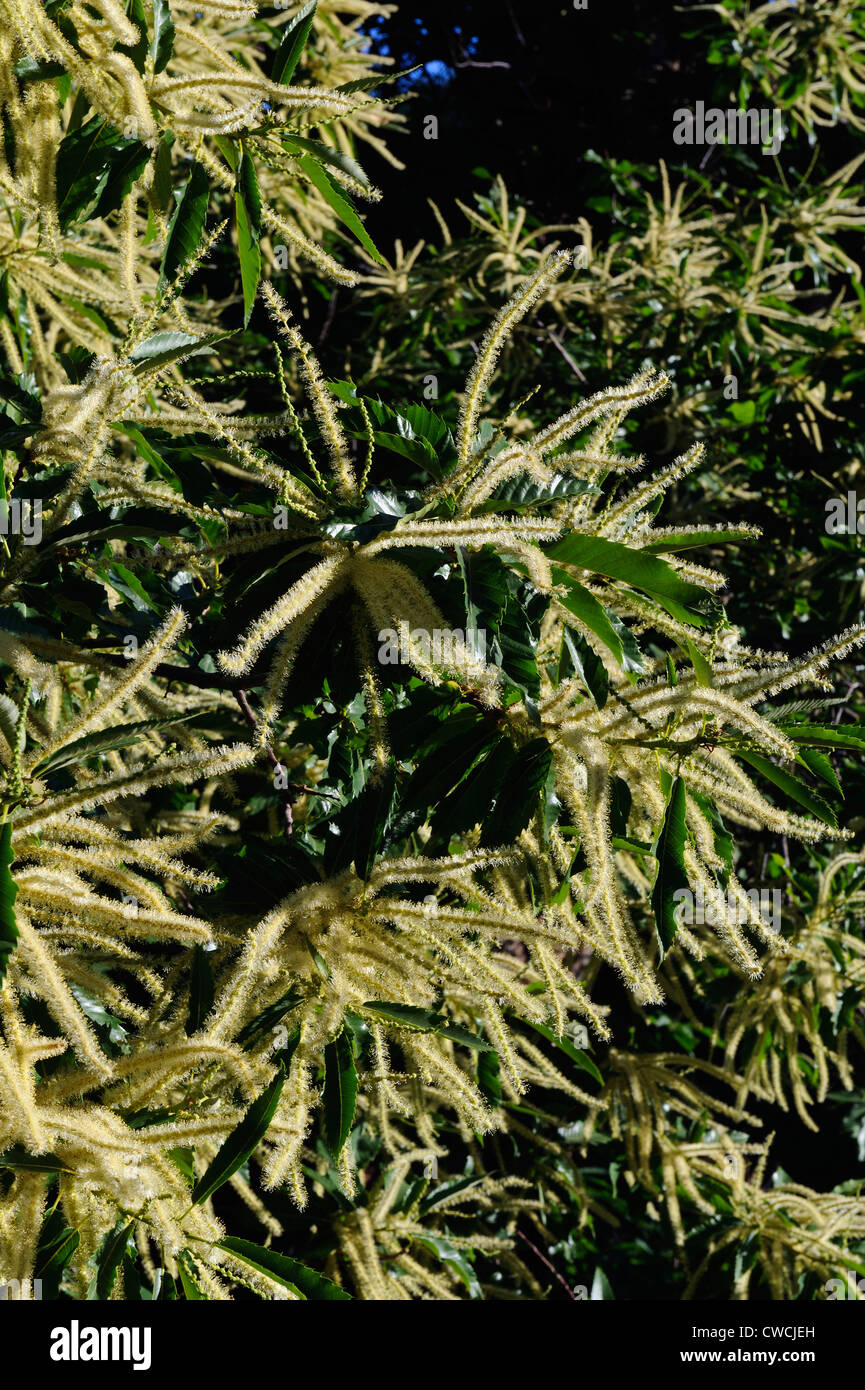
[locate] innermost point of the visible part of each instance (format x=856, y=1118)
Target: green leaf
x=242, y=1141
x=37, y=70
x=702, y=668
x=590, y=612
x=57, y=1245
x=723, y=838
x=565, y=1045
x=186, y=228
x=340, y=1092
x=445, y=1190
x=162, y=43
x=826, y=736
x=247, y=203
x=367, y=816
x=489, y=1079
x=8, y=894
x=453, y=1258
x=425, y=1021
x=294, y=37
x=588, y=666
x=601, y=1287
x=517, y=800
x=102, y=741
x=19, y=1159
x=164, y=348
x=340, y=204
x=821, y=766
x=267, y=1020
x=108, y=1258
x=201, y=990
x=672, y=875
x=137, y=51
x=327, y=155
x=96, y=168
x=294, y=1275
x=791, y=786
x=685, y=601
x=447, y=766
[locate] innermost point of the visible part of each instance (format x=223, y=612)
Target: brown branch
x=544, y=1261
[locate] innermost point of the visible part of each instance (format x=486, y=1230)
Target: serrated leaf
x=339, y=1096
x=186, y=228
x=294, y=37
x=454, y=1259
x=672, y=875
x=267, y=1020
x=17, y=1158
x=588, y=666
x=8, y=894
x=821, y=766
x=242, y=1142
x=426, y=1021
x=684, y=601
x=517, y=800
x=162, y=43
x=327, y=155
x=702, y=668
x=340, y=204
x=163, y=348
x=247, y=203
x=576, y=1054
x=108, y=1259
x=102, y=741
x=201, y=990
x=96, y=168
x=793, y=788
x=287, y=1271
x=825, y=736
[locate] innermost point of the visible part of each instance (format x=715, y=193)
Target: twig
x=543, y=1259
x=567, y=356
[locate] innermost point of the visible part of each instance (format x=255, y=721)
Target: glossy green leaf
x=339, y=1097
x=164, y=348
x=108, y=1259
x=294, y=1275
x=247, y=203
x=294, y=37
x=340, y=204
x=791, y=786
x=685, y=601
x=425, y=1021
x=242, y=1142
x=201, y=990
x=672, y=876
x=517, y=800
x=186, y=228
x=8, y=894
x=162, y=43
